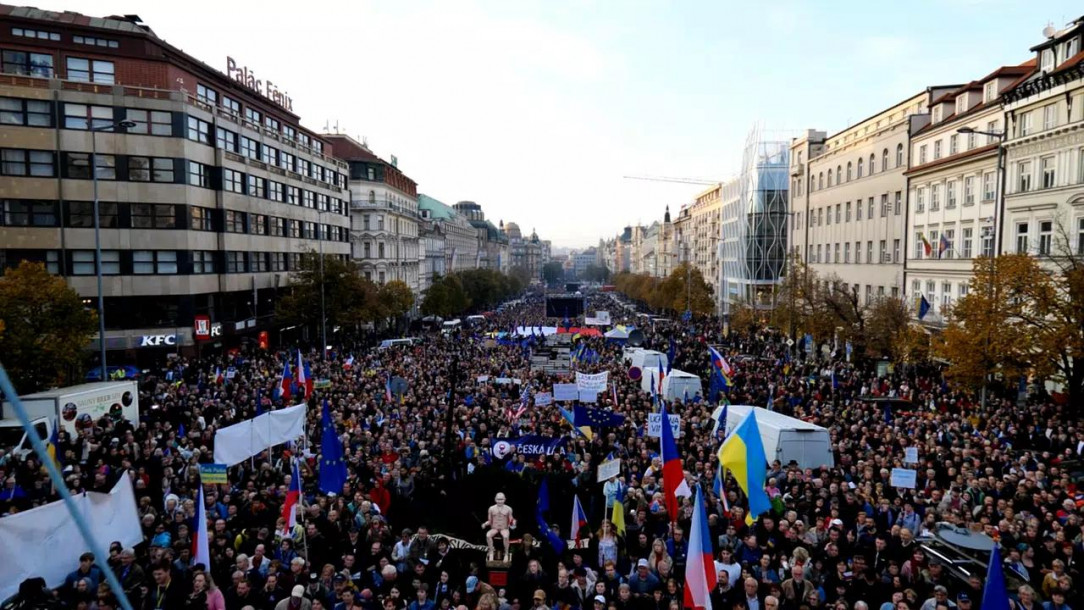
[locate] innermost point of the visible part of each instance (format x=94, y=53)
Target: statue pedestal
x=498, y=573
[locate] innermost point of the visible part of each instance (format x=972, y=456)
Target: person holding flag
x=284, y=387
x=201, y=544
x=579, y=530
x=332, y=467
x=673, y=472
x=700, y=574
x=290, y=503
x=742, y=453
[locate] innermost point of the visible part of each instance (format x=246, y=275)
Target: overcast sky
x=537, y=109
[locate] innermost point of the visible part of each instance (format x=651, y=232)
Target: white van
x=473, y=321
x=386, y=343
x=450, y=326
x=15, y=440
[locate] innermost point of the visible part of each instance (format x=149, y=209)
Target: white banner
x=235, y=444
x=31, y=542
x=654, y=424
x=565, y=391
x=903, y=477
x=609, y=470
x=588, y=396
x=593, y=383
x=601, y=318
x=542, y=399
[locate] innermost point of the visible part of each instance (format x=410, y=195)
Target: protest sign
x=608, y=470
x=565, y=391
x=596, y=382
x=903, y=477
x=654, y=427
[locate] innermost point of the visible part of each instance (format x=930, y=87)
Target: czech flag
x=219, y=377
x=742, y=453
x=201, y=549
x=579, y=520
x=293, y=496
x=673, y=475
x=304, y=381
x=282, y=392
x=348, y=364
x=720, y=363
x=700, y=566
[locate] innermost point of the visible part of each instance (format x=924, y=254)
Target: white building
x=953, y=189
x=1044, y=150
x=460, y=237
x=384, y=215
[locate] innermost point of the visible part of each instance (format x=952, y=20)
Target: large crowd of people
x=404, y=532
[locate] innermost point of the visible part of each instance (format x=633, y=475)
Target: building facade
x=952, y=191
x=460, y=237
x=493, y=247
x=754, y=225
x=383, y=215
x=1044, y=151
x=853, y=221
x=432, y=263
x=210, y=190
x=697, y=235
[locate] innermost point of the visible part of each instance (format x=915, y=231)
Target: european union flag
x=923, y=307
x=596, y=418
x=542, y=508
x=332, y=466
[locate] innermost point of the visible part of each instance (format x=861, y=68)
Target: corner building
x=207, y=203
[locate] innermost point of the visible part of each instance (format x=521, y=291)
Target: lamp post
x=98, y=232
x=321, y=234
x=999, y=213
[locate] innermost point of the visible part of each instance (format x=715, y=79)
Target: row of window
x=840, y=253
x=234, y=181
x=951, y=193
x=837, y=178
x=112, y=215
x=254, y=118
x=954, y=143
x=946, y=293
x=199, y=130
x=941, y=243
x=843, y=211
x=1044, y=245
x=158, y=262
x=1042, y=173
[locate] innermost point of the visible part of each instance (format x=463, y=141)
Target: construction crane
x=704, y=181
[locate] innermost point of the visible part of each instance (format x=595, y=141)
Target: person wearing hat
x=643, y=582
x=538, y=600
x=296, y=601
x=600, y=602
x=940, y=598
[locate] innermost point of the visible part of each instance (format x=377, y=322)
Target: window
x=200, y=219
x=275, y=191
x=289, y=132
x=258, y=224
x=1022, y=237
x=1050, y=117
x=847, y=215
x=872, y=170
x=937, y=150
x=869, y=208
x=899, y=155
x=294, y=227
x=884, y=205
x=199, y=174
x=90, y=70
x=253, y=117
x=27, y=64
x=81, y=215
x=257, y=186
x=849, y=171
x=18, y=162
x=226, y=139
x=916, y=288
x=988, y=186
x=81, y=116
x=821, y=181
x=270, y=155
x=987, y=242
x=308, y=199
x=153, y=216
x=203, y=262
x=950, y=195
x=231, y=105
x=935, y=197
x=1046, y=237
x=869, y=251
x=39, y=34
x=971, y=140
x=303, y=167
x=961, y=104
x=950, y=245
x=83, y=262
x=95, y=42
x=148, y=169
x=858, y=252
x=829, y=177
x=17, y=111
x=235, y=262
x=199, y=130
x=1024, y=123
x=838, y=213
x=847, y=252
x=991, y=127
x=884, y=160
x=286, y=161
x=1080, y=236
x=1047, y=60
x=381, y=277
x=278, y=261
x=989, y=91
x=869, y=294
x=937, y=112
x=250, y=148
x=293, y=195
x=233, y=181
x=836, y=258
x=1046, y=166
x=961, y=289
x=1023, y=170
x=858, y=210
x=25, y=213
x=78, y=166
x=235, y=221
x=931, y=289
x=946, y=293
x=154, y=122
x=954, y=144
x=206, y=94
x=895, y=250
x=969, y=190
x=380, y=250
x=860, y=172
x=965, y=237
x=921, y=154
x=897, y=206
x=154, y=262
x=884, y=250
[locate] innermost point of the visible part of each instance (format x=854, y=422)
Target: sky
x=538, y=109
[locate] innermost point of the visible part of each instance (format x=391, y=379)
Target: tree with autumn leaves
x=684, y=289
x=1022, y=316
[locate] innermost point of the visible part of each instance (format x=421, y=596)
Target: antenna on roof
x=336, y=126
x=327, y=126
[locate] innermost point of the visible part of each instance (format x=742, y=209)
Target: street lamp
x=97, y=230
x=999, y=214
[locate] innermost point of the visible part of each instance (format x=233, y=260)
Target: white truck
x=73, y=408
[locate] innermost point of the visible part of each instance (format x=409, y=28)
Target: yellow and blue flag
x=53, y=443
x=617, y=517
x=742, y=453
x=571, y=419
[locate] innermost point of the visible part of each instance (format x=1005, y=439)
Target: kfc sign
x=158, y=340
x=202, y=328
x=216, y=330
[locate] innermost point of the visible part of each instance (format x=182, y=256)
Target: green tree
x=596, y=273
x=349, y=298
x=522, y=275
x=552, y=272
x=685, y=289
x=888, y=322
x=445, y=297
x=396, y=298
x=44, y=327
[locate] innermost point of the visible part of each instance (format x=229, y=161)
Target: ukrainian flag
x=617, y=517
x=584, y=430
x=742, y=453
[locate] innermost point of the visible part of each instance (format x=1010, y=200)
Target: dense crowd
x=398, y=534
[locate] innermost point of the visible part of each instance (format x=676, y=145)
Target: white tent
x=785, y=438
x=679, y=384
x=648, y=357
x=649, y=372
x=617, y=334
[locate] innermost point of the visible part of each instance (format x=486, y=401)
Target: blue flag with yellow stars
x=332, y=466
x=596, y=418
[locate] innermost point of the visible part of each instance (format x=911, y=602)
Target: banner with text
x=565, y=391
x=594, y=383
x=654, y=424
